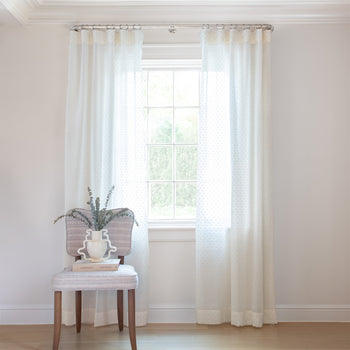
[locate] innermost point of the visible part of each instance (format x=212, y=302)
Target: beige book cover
x=86, y=265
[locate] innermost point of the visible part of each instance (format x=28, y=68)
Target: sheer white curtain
x=234, y=230
x=105, y=147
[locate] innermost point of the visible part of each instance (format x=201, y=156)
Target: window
x=172, y=109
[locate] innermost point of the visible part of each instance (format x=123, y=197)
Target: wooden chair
x=126, y=278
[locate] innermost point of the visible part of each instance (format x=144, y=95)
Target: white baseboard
x=26, y=314
x=285, y=313
x=313, y=313
x=172, y=314
x=43, y=314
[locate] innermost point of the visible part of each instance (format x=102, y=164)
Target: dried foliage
x=100, y=217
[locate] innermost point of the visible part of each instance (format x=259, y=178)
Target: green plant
x=100, y=217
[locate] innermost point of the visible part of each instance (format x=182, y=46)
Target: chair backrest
x=119, y=231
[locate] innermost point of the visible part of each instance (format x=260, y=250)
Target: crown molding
x=20, y=9
x=191, y=2
x=180, y=11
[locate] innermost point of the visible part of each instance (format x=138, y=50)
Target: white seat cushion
x=123, y=279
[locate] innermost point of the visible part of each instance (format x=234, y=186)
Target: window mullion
x=173, y=149
x=148, y=147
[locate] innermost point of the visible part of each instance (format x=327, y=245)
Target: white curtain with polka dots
x=234, y=229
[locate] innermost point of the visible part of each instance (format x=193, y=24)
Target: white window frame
x=158, y=225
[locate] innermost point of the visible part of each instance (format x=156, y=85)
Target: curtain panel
x=234, y=230
x=105, y=146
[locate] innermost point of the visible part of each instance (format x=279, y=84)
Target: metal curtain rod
x=171, y=27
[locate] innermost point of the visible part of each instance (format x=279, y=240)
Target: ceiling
x=174, y=11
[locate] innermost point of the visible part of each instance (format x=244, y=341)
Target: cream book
x=86, y=265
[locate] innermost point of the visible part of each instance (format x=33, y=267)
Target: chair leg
x=57, y=320
x=131, y=309
x=78, y=310
x=120, y=309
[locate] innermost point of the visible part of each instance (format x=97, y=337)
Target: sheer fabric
x=234, y=221
x=105, y=147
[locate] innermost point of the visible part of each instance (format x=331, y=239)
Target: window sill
x=172, y=231
x=171, y=224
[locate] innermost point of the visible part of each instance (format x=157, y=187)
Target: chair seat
x=124, y=279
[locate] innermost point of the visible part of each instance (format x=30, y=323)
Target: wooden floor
x=288, y=336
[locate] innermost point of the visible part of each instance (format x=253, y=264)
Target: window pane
x=160, y=89
x=186, y=125
x=186, y=162
x=185, y=200
x=161, y=199
x=186, y=92
x=172, y=112
x=160, y=162
x=160, y=122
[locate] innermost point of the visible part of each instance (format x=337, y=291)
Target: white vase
x=96, y=246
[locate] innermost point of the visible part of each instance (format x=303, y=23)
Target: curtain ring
x=172, y=29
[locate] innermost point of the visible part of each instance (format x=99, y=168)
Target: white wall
x=311, y=73
x=311, y=70
x=33, y=75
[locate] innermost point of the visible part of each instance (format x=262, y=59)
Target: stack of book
x=86, y=265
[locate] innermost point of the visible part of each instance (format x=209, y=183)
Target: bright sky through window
x=171, y=109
